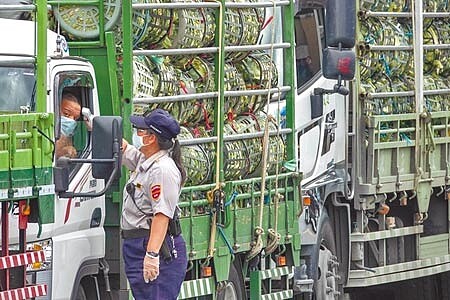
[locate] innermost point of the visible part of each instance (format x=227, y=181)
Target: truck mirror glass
x=106, y=141
x=338, y=64
x=61, y=178
x=316, y=106
x=340, y=23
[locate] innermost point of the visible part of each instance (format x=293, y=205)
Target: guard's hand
x=124, y=145
x=88, y=117
x=151, y=268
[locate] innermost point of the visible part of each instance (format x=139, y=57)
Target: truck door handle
x=330, y=125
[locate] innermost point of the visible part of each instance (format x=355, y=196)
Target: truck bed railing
x=401, y=119
x=405, y=94
x=176, y=98
x=386, y=14
x=211, y=50
x=234, y=137
x=181, y=5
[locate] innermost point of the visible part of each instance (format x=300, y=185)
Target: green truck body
x=352, y=195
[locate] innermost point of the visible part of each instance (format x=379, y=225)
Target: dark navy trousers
x=171, y=273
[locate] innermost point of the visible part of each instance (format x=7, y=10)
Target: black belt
x=135, y=233
x=166, y=253
x=173, y=229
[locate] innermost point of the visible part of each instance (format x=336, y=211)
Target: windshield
x=17, y=89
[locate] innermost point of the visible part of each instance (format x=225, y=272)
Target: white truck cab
x=67, y=227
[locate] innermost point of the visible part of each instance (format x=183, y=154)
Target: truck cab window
x=309, y=38
x=72, y=131
x=17, y=83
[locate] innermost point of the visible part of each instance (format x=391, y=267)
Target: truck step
x=288, y=294
x=25, y=293
x=385, y=234
x=21, y=259
x=256, y=284
x=196, y=288
x=275, y=273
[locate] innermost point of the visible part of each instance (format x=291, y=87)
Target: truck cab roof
x=19, y=39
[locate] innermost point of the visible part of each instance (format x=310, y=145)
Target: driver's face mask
x=68, y=126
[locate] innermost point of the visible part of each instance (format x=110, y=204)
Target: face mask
x=68, y=126
x=138, y=141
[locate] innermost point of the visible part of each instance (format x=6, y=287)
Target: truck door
x=73, y=139
x=317, y=122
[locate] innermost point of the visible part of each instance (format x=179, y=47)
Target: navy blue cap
x=159, y=121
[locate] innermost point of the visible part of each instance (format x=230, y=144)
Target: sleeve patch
x=155, y=192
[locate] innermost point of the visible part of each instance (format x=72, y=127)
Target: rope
x=274, y=237
x=227, y=242
x=212, y=238
x=258, y=243
x=232, y=198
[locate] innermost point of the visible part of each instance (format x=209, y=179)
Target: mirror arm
x=107, y=185
x=338, y=88
x=65, y=161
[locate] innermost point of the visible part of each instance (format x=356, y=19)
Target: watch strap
x=152, y=254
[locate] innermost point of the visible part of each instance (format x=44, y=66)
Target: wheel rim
x=229, y=292
x=327, y=287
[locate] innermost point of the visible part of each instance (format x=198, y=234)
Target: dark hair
x=69, y=97
x=175, y=149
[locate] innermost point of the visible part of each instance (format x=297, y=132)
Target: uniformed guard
x=154, y=251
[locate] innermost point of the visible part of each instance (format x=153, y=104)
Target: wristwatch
x=152, y=254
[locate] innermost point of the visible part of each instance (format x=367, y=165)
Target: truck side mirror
x=106, y=158
x=338, y=64
x=61, y=178
x=340, y=30
x=340, y=23
x=106, y=131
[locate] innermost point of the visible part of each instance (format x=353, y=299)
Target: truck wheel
x=87, y=289
x=418, y=289
x=233, y=288
x=325, y=262
x=444, y=285
x=81, y=294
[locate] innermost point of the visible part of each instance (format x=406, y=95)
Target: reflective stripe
x=195, y=288
x=288, y=294
x=24, y=293
x=21, y=259
x=277, y=272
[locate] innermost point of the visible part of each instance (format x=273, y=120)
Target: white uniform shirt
x=157, y=182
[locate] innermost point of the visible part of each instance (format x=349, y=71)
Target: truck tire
x=444, y=287
x=87, y=289
x=233, y=288
x=81, y=294
x=325, y=263
x=418, y=289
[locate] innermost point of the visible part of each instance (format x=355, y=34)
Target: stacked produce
x=189, y=74
x=392, y=70
x=242, y=158
x=156, y=76
x=81, y=21
x=196, y=160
